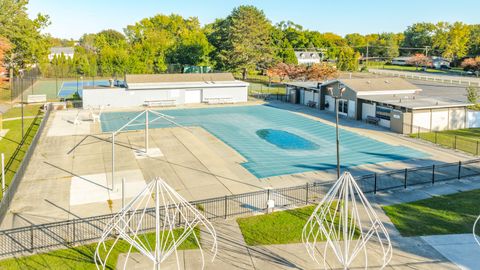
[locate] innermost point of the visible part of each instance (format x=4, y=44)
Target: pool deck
x=71, y=167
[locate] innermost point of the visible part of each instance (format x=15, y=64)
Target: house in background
x=167, y=90
x=68, y=52
x=393, y=103
x=307, y=58
x=435, y=62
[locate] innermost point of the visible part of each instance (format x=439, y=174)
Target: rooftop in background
x=307, y=55
x=180, y=77
x=60, y=50
x=379, y=84
x=417, y=102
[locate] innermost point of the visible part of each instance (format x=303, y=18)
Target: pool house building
x=393, y=103
x=167, y=90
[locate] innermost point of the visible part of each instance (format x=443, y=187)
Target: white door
x=193, y=96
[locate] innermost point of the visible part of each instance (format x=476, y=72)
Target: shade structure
x=344, y=230
x=476, y=230
x=155, y=223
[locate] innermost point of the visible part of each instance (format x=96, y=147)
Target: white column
x=113, y=160
x=3, y=174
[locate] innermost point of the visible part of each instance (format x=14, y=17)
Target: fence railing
x=63, y=234
x=13, y=185
x=445, y=139
x=449, y=79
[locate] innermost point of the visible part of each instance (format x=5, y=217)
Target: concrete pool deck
x=196, y=163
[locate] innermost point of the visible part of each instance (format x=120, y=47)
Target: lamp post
x=21, y=72
x=336, y=97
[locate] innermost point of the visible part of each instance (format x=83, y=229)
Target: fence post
x=405, y=180
x=31, y=238
x=436, y=133
x=375, y=184
x=268, y=194
x=226, y=207
x=73, y=233
x=433, y=174
x=459, y=169
x=306, y=194
x=455, y=142
x=477, y=148
x=418, y=132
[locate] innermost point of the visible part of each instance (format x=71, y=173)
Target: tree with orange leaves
x=321, y=72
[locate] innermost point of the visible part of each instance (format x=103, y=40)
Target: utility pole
x=426, y=50
x=366, y=58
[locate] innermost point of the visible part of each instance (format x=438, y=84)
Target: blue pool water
x=238, y=127
x=69, y=88
x=286, y=140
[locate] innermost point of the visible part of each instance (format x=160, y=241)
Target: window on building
x=343, y=106
x=383, y=112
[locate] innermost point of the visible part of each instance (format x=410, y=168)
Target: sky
x=73, y=18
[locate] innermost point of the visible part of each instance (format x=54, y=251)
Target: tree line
x=245, y=41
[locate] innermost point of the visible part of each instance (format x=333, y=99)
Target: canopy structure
x=155, y=223
x=346, y=221
x=476, y=230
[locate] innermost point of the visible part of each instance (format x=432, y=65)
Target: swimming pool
x=239, y=126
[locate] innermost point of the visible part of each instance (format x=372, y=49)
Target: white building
x=307, y=58
x=168, y=90
x=68, y=52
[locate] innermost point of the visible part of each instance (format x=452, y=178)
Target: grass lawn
x=450, y=214
x=466, y=139
x=255, y=87
x=10, y=144
x=81, y=257
x=28, y=110
x=282, y=227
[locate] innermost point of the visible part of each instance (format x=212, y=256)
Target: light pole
x=21, y=99
x=336, y=97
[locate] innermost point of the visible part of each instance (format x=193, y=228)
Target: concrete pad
x=94, y=188
x=441, y=189
x=151, y=153
x=62, y=124
x=461, y=249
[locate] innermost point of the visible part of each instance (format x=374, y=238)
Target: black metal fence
x=446, y=139
x=23, y=83
x=63, y=234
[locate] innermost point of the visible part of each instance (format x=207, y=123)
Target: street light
x=21, y=73
x=336, y=97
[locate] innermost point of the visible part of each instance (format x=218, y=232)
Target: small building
x=440, y=62
x=307, y=58
x=393, y=103
x=168, y=90
x=67, y=52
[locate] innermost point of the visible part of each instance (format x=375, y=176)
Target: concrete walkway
x=18, y=118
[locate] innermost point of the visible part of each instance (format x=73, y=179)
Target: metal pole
x=157, y=227
x=3, y=174
x=337, y=137
x=146, y=130
x=21, y=93
x=123, y=193
x=113, y=160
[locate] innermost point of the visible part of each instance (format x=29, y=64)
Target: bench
x=160, y=103
x=220, y=100
x=312, y=104
x=36, y=99
x=373, y=120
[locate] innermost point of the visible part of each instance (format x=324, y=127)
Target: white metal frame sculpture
x=131, y=123
x=170, y=212
x=347, y=222
x=475, y=236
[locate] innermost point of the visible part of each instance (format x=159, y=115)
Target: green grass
x=466, y=139
x=28, y=110
x=11, y=147
x=264, y=88
x=81, y=257
x=450, y=214
x=282, y=227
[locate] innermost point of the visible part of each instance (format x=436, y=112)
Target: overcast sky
x=72, y=18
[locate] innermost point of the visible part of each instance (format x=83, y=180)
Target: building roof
x=183, y=80
x=181, y=77
x=416, y=102
x=306, y=84
x=307, y=55
x=379, y=84
x=60, y=50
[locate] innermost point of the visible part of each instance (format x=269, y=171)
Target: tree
x=473, y=97
x=419, y=35
x=5, y=46
x=419, y=60
x=474, y=40
x=458, y=38
x=28, y=45
x=291, y=71
x=472, y=64
x=243, y=40
x=321, y=72
x=348, y=59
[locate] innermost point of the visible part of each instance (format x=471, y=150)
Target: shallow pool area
x=275, y=141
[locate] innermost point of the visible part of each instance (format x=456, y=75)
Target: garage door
x=193, y=96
